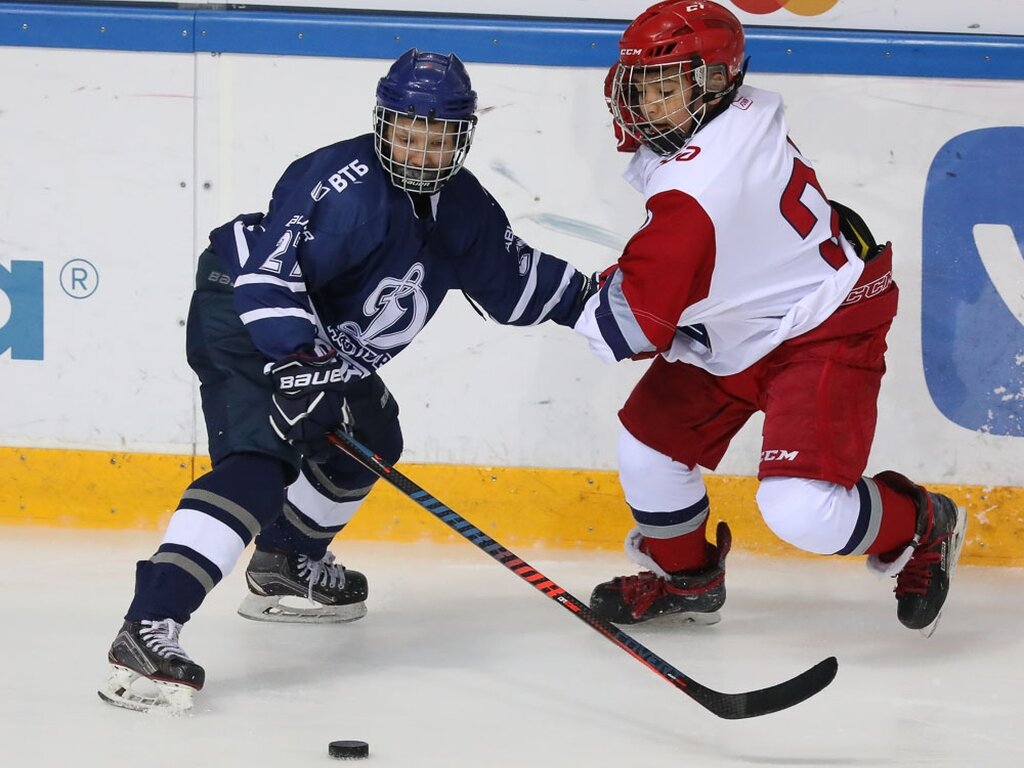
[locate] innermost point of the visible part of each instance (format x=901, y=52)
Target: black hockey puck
x=348, y=750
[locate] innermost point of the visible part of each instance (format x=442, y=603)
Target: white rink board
x=97, y=165
x=106, y=139
x=991, y=17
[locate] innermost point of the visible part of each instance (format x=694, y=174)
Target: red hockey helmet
x=625, y=142
x=676, y=58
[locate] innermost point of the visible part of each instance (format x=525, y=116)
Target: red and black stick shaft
x=731, y=706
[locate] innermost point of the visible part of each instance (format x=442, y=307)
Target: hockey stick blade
x=737, y=706
x=730, y=706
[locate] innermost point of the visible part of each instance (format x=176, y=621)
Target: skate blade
x=692, y=617
x=260, y=608
x=127, y=689
x=958, y=537
x=700, y=619
x=673, y=621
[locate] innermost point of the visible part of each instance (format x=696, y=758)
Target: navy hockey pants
x=243, y=495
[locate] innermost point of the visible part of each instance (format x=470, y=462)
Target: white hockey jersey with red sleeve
x=740, y=251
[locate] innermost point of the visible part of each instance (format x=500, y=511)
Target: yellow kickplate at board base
x=560, y=508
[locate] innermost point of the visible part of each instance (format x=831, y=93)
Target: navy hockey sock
x=295, y=534
x=217, y=517
x=899, y=515
x=314, y=512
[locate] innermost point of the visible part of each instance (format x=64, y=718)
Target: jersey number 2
x=802, y=219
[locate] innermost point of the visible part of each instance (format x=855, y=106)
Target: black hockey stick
x=732, y=706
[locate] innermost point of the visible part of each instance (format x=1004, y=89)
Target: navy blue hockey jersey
x=344, y=258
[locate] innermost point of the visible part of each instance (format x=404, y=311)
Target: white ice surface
x=459, y=663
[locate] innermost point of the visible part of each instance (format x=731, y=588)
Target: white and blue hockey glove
x=309, y=401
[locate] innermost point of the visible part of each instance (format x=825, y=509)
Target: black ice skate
x=923, y=569
x=693, y=596
x=150, y=670
x=293, y=588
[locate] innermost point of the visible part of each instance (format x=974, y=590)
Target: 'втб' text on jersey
x=342, y=258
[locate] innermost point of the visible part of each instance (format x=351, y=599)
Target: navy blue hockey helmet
x=424, y=120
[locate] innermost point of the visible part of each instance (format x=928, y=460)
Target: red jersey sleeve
x=667, y=265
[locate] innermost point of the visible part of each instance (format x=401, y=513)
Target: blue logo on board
x=21, y=310
x=972, y=322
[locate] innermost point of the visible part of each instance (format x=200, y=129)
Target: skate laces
x=640, y=591
x=324, y=572
x=161, y=637
x=916, y=576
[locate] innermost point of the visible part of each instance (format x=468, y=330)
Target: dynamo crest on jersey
x=397, y=309
x=524, y=261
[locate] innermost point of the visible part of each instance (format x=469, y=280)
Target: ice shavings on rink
x=459, y=664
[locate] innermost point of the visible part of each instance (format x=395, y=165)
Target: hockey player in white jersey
x=752, y=291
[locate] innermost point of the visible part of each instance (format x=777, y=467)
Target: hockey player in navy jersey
x=294, y=312
x=752, y=292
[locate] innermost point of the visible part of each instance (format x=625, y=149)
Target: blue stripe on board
x=98, y=27
x=547, y=42
x=904, y=54
x=493, y=40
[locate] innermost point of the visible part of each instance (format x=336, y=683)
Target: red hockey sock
x=899, y=519
x=688, y=552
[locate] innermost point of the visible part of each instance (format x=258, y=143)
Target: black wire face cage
x=661, y=105
x=420, y=154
